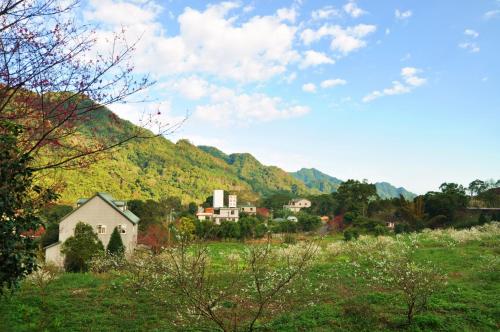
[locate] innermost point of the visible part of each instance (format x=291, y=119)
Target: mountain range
x=156, y=167
x=325, y=183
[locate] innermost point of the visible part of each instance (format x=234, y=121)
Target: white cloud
x=309, y=87
x=112, y=12
x=471, y=47
x=332, y=82
x=344, y=40
x=411, y=81
x=313, y=58
x=192, y=87
x=147, y=115
x=492, y=14
x=324, y=13
x=471, y=33
x=230, y=108
x=352, y=9
x=287, y=14
x=409, y=75
x=387, y=31
x=402, y=15
x=254, y=49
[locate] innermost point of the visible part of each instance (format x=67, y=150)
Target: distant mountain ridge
x=156, y=168
x=315, y=179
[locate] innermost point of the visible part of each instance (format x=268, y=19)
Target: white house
x=249, y=209
x=103, y=213
x=219, y=212
x=296, y=204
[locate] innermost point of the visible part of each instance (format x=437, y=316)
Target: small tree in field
x=115, y=245
x=247, y=290
x=80, y=248
x=391, y=265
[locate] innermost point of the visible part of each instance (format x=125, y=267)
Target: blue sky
x=399, y=91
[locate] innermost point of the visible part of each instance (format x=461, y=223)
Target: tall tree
x=354, y=196
x=115, y=245
x=80, y=248
x=476, y=187
x=18, y=211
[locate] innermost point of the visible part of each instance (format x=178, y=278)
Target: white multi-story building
x=218, y=199
x=296, y=204
x=219, y=212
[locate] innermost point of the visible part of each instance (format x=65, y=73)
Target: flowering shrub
x=390, y=264
x=105, y=262
x=254, y=285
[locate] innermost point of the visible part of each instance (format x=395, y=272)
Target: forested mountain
x=155, y=168
x=325, y=183
x=315, y=179
x=387, y=190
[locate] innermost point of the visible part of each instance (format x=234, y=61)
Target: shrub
x=351, y=234
x=115, y=245
x=80, y=248
x=390, y=265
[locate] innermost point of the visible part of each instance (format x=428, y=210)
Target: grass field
x=87, y=302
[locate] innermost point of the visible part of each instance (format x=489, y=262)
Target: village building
x=219, y=213
x=248, y=209
x=104, y=214
x=296, y=204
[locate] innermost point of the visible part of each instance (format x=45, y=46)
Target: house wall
x=53, y=255
x=96, y=212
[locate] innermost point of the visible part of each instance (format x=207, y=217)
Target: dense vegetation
x=332, y=294
x=325, y=183
x=157, y=168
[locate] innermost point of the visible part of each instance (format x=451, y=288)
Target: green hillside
x=387, y=190
x=263, y=179
x=325, y=183
x=315, y=179
x=155, y=168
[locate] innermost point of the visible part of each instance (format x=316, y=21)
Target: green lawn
x=87, y=302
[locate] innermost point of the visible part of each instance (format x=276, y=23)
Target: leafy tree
x=229, y=230
x=80, y=248
x=19, y=204
x=115, y=245
x=445, y=203
x=192, y=208
x=354, y=196
x=476, y=187
x=276, y=200
x=308, y=222
x=324, y=205
x=156, y=237
x=185, y=228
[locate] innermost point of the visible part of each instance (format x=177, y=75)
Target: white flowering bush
x=106, y=262
x=452, y=237
x=251, y=286
x=391, y=265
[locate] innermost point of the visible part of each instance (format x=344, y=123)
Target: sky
x=401, y=91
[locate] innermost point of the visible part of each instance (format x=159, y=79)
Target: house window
x=101, y=229
x=122, y=229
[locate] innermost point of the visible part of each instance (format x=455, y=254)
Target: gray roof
x=113, y=203
x=53, y=244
